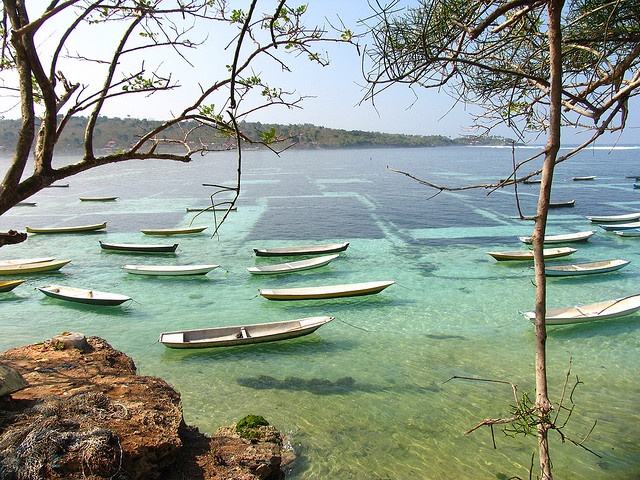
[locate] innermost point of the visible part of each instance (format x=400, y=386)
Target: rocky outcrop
x=86, y=414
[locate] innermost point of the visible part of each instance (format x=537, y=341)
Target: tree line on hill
x=113, y=134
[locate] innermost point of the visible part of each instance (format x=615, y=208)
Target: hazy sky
x=336, y=90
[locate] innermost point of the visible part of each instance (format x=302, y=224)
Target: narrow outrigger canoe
x=528, y=254
x=582, y=179
x=32, y=267
x=243, y=334
x=293, y=266
x=209, y=208
x=172, y=231
x=621, y=226
x=564, y=238
x=586, y=313
x=82, y=295
x=569, y=203
x=169, y=270
x=71, y=229
x=23, y=261
x=588, y=268
x=328, y=291
x=634, y=232
x=98, y=199
x=625, y=217
x=301, y=250
x=9, y=285
x=138, y=247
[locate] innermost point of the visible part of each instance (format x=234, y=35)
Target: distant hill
x=113, y=134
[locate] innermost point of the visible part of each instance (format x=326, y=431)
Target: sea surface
x=371, y=394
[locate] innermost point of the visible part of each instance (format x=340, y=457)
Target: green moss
x=249, y=425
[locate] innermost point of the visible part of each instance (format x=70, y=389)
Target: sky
x=334, y=92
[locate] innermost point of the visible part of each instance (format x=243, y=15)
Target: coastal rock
x=85, y=414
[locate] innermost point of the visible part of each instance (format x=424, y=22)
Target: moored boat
x=172, y=231
x=563, y=238
x=22, y=261
x=327, y=291
x=82, y=295
x=138, y=247
x=634, y=232
x=570, y=203
x=36, y=267
x=293, y=266
x=169, y=270
x=71, y=229
x=8, y=285
x=620, y=226
x=625, y=217
x=301, y=250
x=586, y=313
x=528, y=254
x=98, y=199
x=217, y=208
x=587, y=268
x=242, y=334
x=582, y=179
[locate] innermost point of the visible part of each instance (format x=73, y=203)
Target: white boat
x=139, y=247
x=172, y=231
x=564, y=238
x=36, y=267
x=602, y=266
x=582, y=179
x=566, y=204
x=634, y=232
x=71, y=229
x=620, y=226
x=82, y=295
x=625, y=217
x=169, y=270
x=586, y=313
x=217, y=208
x=242, y=334
x=528, y=254
x=293, y=266
x=23, y=261
x=328, y=291
x=301, y=250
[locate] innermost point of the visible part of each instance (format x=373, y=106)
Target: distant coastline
x=114, y=134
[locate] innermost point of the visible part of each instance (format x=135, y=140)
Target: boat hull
x=301, y=250
x=84, y=296
x=242, y=334
x=293, y=266
x=627, y=217
x=138, y=248
x=588, y=268
x=331, y=291
x=618, y=307
x=33, y=267
x=8, y=285
x=635, y=232
x=566, y=238
x=73, y=229
x=157, y=270
x=172, y=231
x=528, y=254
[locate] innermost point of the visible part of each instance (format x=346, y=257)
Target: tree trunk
x=543, y=405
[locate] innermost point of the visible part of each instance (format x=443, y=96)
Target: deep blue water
x=365, y=397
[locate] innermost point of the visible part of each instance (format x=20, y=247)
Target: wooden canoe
x=301, y=250
x=22, y=261
x=564, y=238
x=242, y=334
x=98, y=199
x=72, y=229
x=634, y=232
x=620, y=226
x=172, y=231
x=328, y=291
x=528, y=254
x=169, y=270
x=586, y=313
x=588, y=268
x=32, y=267
x=570, y=203
x=582, y=179
x=82, y=295
x=625, y=217
x=293, y=266
x=9, y=285
x=138, y=247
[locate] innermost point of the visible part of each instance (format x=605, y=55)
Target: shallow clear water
x=366, y=396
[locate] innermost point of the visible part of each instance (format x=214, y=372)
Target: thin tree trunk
x=553, y=145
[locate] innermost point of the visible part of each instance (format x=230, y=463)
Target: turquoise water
x=366, y=396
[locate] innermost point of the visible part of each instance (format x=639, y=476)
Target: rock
x=86, y=414
x=10, y=380
x=71, y=340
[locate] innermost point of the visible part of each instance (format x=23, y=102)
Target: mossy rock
x=249, y=426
